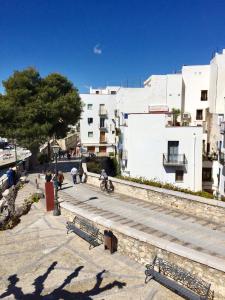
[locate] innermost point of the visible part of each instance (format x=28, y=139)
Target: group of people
x=75, y=173
x=57, y=178
x=78, y=176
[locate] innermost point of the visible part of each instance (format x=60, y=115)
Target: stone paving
x=38, y=260
x=187, y=230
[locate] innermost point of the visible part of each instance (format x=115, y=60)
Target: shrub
x=94, y=167
x=168, y=186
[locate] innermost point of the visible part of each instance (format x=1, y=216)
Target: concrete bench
x=178, y=280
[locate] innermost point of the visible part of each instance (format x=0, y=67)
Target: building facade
x=130, y=122
x=97, y=129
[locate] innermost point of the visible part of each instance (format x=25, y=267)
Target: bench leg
x=147, y=280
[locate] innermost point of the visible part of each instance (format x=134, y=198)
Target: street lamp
x=56, y=211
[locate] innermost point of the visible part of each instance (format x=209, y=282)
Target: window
x=206, y=174
x=90, y=121
x=204, y=95
x=173, y=151
x=89, y=106
x=199, y=114
x=113, y=92
x=102, y=122
x=90, y=133
x=179, y=176
x=113, y=132
x=96, y=92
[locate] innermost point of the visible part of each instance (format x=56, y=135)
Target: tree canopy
x=34, y=109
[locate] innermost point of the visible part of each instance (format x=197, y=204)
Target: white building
x=167, y=154
x=217, y=110
x=198, y=92
x=97, y=129
x=165, y=90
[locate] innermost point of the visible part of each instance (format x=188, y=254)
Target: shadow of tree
x=59, y=293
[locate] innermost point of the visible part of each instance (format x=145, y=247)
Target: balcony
x=103, y=127
x=171, y=160
x=222, y=127
x=221, y=158
x=102, y=111
x=103, y=141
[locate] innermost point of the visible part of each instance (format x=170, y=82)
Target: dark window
x=113, y=92
x=90, y=133
x=208, y=148
x=206, y=174
x=173, y=151
x=113, y=132
x=97, y=92
x=89, y=106
x=204, y=95
x=199, y=114
x=125, y=116
x=179, y=176
x=102, y=122
x=90, y=121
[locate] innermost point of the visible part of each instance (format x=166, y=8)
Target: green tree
x=176, y=113
x=35, y=109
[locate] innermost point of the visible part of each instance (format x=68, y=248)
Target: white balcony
x=102, y=111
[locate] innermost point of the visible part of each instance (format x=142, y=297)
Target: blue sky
x=99, y=42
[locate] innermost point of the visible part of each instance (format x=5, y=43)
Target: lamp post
x=56, y=211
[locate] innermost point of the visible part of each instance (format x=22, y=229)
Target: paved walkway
x=189, y=231
x=39, y=261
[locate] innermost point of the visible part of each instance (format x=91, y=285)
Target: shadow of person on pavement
x=58, y=293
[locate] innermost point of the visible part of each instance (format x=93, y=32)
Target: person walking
x=48, y=176
x=60, y=179
x=73, y=172
x=55, y=181
x=9, y=174
x=81, y=173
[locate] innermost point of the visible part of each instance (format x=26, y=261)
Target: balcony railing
x=102, y=112
x=103, y=127
x=174, y=159
x=103, y=141
x=221, y=158
x=222, y=127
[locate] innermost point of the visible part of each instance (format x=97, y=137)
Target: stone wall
x=209, y=209
x=144, y=252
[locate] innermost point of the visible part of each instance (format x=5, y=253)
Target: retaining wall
x=209, y=209
x=143, y=247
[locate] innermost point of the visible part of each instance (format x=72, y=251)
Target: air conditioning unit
x=186, y=116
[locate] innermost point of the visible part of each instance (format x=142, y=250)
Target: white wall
x=148, y=140
x=165, y=90
x=110, y=105
x=195, y=78
x=217, y=83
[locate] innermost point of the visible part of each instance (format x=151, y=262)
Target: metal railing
x=174, y=159
x=103, y=141
x=222, y=127
x=105, y=127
